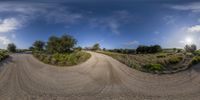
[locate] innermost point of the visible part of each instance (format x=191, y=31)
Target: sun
x=189, y=40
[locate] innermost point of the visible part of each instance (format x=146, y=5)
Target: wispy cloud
x=112, y=22
x=194, y=7
x=56, y=13
x=194, y=29
x=169, y=19
x=9, y=24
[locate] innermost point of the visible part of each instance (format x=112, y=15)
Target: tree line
x=66, y=43
x=63, y=44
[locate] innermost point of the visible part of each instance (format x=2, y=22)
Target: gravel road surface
x=22, y=77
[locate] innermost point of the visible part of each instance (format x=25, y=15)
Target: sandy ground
x=22, y=77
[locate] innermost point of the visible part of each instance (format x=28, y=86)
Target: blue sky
x=113, y=24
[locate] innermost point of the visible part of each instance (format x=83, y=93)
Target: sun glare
x=189, y=40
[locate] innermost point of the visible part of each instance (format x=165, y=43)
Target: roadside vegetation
x=3, y=55
x=59, y=51
x=154, y=59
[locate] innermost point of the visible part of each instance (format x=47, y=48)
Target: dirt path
x=22, y=77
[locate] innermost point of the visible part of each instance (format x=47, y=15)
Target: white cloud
x=56, y=13
x=194, y=7
x=194, y=29
x=4, y=41
x=9, y=24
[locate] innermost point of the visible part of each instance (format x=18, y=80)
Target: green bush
x=195, y=60
x=3, y=55
x=175, y=59
x=197, y=53
x=153, y=67
x=47, y=59
x=63, y=59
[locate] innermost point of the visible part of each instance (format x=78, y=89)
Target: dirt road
x=22, y=77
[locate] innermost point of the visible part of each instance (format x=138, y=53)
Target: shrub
x=54, y=61
x=197, y=53
x=153, y=67
x=195, y=60
x=175, y=59
x=3, y=55
x=72, y=59
x=47, y=59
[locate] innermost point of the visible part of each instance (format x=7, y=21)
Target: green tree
x=61, y=44
x=38, y=45
x=31, y=48
x=149, y=49
x=156, y=49
x=11, y=47
x=190, y=48
x=96, y=46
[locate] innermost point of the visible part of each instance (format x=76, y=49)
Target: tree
x=39, y=45
x=96, y=46
x=61, y=44
x=149, y=49
x=174, y=49
x=11, y=47
x=155, y=49
x=190, y=48
x=53, y=44
x=67, y=42
x=31, y=48
x=142, y=49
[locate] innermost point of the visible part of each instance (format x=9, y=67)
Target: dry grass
x=159, y=62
